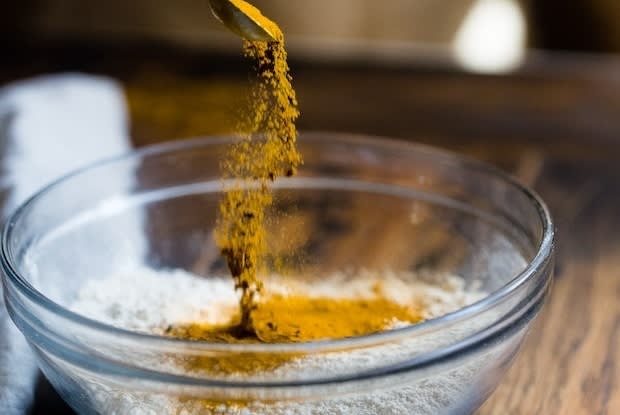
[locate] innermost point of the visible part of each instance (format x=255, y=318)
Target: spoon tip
x=244, y=19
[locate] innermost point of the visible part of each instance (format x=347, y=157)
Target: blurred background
x=426, y=57
x=483, y=35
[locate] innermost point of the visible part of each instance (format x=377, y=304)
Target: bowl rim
x=542, y=257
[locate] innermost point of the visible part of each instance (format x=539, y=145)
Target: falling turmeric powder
x=266, y=152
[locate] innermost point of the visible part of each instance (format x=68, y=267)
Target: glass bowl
x=360, y=206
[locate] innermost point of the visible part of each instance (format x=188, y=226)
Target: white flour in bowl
x=148, y=301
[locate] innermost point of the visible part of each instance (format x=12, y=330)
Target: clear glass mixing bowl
x=358, y=204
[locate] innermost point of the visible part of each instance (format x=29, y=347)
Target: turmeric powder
x=294, y=319
x=266, y=152
x=256, y=16
x=290, y=319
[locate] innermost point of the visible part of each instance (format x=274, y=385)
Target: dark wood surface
x=555, y=125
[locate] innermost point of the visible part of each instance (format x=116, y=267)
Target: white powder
x=147, y=301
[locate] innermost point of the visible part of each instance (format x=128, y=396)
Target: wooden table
x=555, y=125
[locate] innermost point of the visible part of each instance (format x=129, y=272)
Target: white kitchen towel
x=48, y=126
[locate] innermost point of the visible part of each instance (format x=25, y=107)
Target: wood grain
x=571, y=361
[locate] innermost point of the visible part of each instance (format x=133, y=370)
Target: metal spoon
x=252, y=26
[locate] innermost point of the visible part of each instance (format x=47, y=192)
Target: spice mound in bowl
x=335, y=308
x=399, y=279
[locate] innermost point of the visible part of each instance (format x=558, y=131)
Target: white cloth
x=48, y=126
